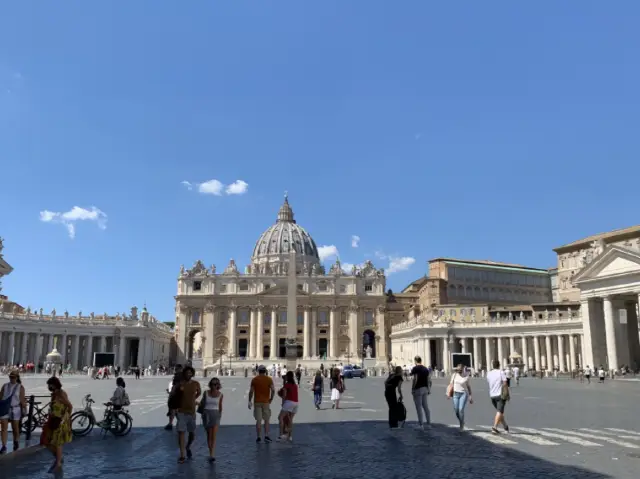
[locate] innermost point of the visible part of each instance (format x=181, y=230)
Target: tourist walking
x=172, y=390
x=298, y=374
x=57, y=430
x=13, y=405
x=261, y=394
x=393, y=395
x=289, y=406
x=210, y=408
x=587, y=374
x=318, y=388
x=188, y=391
x=420, y=389
x=461, y=393
x=499, y=394
x=337, y=388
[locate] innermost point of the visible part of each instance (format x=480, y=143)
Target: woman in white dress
x=337, y=388
x=14, y=392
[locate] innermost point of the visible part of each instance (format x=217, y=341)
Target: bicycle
x=119, y=422
x=39, y=418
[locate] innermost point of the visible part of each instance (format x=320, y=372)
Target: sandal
x=181, y=460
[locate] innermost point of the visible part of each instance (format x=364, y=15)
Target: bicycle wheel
x=24, y=422
x=81, y=423
x=125, y=423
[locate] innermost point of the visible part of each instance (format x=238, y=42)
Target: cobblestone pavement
x=559, y=428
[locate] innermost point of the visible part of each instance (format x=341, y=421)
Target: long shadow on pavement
x=350, y=449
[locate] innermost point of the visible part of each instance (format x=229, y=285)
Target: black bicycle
x=39, y=418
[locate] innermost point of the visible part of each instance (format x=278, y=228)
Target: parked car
x=353, y=372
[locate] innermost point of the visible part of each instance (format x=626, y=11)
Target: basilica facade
x=233, y=316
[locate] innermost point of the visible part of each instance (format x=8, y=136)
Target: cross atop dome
x=285, y=215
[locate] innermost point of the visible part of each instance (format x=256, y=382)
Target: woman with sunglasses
x=16, y=405
x=211, y=409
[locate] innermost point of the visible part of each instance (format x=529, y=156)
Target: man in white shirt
x=499, y=394
x=516, y=374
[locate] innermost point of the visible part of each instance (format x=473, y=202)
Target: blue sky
x=468, y=129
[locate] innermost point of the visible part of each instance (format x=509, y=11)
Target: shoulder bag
x=5, y=404
x=200, y=409
x=450, y=386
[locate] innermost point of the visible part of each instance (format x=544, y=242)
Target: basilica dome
x=275, y=244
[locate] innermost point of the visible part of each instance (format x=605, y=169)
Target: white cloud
x=211, y=187
x=238, y=187
x=69, y=218
x=380, y=255
x=327, y=252
x=355, y=241
x=402, y=263
x=217, y=188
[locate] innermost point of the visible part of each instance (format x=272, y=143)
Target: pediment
x=614, y=262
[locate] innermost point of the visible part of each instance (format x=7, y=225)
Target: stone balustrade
x=80, y=320
x=446, y=323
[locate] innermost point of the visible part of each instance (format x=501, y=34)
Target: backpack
x=5, y=404
x=401, y=412
x=125, y=399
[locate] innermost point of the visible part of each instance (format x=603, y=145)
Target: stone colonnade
x=75, y=349
x=539, y=352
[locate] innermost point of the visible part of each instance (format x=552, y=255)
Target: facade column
x=122, y=351
x=610, y=332
x=572, y=352
x=536, y=353
x=476, y=355
x=233, y=347
x=88, y=353
x=209, y=324
x=501, y=353
x=353, y=333
x=463, y=345
x=306, y=333
x=273, y=347
x=587, y=342
x=549, y=352
x=488, y=358
x=260, y=334
x=561, y=358
x=252, y=333
x=314, y=332
x=382, y=354
x=525, y=351
x=333, y=333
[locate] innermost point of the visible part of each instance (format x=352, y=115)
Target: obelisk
x=291, y=343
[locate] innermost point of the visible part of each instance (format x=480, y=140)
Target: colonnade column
x=64, y=347
x=252, y=334
x=12, y=347
x=427, y=353
x=103, y=344
x=260, y=334
x=75, y=349
x=549, y=352
x=512, y=348
x=38, y=349
x=273, y=347
x=525, y=351
x=463, y=346
x=445, y=355
x=333, y=333
x=122, y=351
x=500, y=352
x=88, y=351
x=487, y=345
x=536, y=353
x=23, y=348
x=561, y=358
x=610, y=333
x=572, y=352
x=306, y=333
x=476, y=354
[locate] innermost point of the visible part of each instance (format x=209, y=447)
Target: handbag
x=504, y=393
x=5, y=404
x=450, y=387
x=200, y=409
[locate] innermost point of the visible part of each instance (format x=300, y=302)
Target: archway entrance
x=194, y=344
x=282, y=348
x=266, y=352
x=243, y=346
x=369, y=344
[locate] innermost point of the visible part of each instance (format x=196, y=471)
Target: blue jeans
x=459, y=403
x=317, y=397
